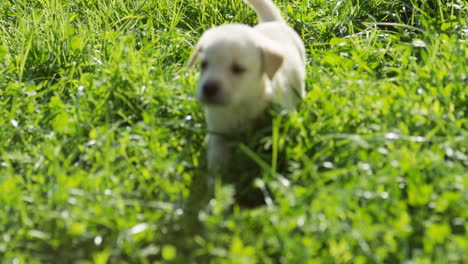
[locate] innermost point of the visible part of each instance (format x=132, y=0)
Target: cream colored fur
x=244, y=69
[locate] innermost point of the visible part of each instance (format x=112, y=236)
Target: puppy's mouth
x=214, y=101
x=219, y=98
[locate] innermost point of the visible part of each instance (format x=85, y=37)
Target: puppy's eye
x=204, y=65
x=237, y=69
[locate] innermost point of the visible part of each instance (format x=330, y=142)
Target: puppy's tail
x=266, y=10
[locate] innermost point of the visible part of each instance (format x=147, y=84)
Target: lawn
x=102, y=154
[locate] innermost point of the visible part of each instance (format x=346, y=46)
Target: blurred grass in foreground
x=102, y=157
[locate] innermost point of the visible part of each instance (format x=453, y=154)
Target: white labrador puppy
x=243, y=70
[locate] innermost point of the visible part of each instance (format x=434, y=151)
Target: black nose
x=210, y=88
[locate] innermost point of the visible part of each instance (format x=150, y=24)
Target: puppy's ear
x=272, y=58
x=195, y=55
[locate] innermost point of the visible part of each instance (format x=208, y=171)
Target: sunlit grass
x=102, y=156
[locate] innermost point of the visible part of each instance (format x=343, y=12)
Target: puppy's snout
x=211, y=89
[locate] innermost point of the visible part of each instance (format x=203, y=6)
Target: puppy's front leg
x=218, y=153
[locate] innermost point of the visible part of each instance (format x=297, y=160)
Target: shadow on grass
x=234, y=188
x=241, y=177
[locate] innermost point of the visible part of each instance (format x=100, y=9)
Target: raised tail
x=266, y=10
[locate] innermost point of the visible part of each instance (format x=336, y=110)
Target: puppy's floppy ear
x=195, y=55
x=272, y=58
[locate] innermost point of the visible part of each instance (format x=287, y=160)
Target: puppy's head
x=234, y=61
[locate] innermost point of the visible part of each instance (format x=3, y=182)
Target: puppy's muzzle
x=211, y=93
x=211, y=89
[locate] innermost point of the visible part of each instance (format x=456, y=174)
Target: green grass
x=102, y=158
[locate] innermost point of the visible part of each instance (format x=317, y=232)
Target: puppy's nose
x=210, y=89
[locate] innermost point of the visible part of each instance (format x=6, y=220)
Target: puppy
x=243, y=70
